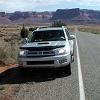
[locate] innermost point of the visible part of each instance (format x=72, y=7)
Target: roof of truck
x=49, y=28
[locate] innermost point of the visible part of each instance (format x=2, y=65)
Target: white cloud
x=12, y=5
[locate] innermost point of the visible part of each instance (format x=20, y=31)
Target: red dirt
x=6, y=67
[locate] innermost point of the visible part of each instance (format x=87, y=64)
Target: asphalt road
x=89, y=50
x=46, y=84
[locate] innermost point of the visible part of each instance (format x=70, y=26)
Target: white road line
x=81, y=85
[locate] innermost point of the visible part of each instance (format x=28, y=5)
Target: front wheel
x=23, y=71
x=72, y=56
x=67, y=69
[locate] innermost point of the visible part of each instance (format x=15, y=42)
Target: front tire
x=67, y=69
x=72, y=56
x=22, y=71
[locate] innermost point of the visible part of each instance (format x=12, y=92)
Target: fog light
x=62, y=61
x=20, y=63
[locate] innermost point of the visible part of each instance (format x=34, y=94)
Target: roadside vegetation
x=58, y=24
x=10, y=40
x=9, y=44
x=90, y=29
x=70, y=28
x=24, y=32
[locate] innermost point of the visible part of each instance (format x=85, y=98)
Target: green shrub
x=24, y=32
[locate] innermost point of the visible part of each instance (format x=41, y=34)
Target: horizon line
x=47, y=10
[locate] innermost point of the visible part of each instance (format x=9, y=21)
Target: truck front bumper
x=45, y=62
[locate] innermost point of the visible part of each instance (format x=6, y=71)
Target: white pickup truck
x=47, y=48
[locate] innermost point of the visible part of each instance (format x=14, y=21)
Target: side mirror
x=72, y=37
x=25, y=40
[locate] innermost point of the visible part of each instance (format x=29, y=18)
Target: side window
x=67, y=33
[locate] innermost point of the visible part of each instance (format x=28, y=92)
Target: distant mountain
x=30, y=17
x=5, y=20
x=75, y=15
x=66, y=14
x=92, y=14
x=25, y=17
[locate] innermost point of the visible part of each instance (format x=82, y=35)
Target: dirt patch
x=6, y=67
x=8, y=91
x=5, y=98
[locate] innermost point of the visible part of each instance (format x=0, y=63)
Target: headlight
x=22, y=52
x=61, y=51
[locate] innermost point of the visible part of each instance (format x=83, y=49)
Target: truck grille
x=43, y=48
x=39, y=62
x=40, y=53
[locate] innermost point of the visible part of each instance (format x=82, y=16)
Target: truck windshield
x=48, y=35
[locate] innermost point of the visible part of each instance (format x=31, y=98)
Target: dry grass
x=91, y=29
x=71, y=28
x=2, y=88
x=9, y=44
x=8, y=52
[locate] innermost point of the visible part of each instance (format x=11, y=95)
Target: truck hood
x=44, y=44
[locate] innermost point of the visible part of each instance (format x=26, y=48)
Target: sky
x=47, y=5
